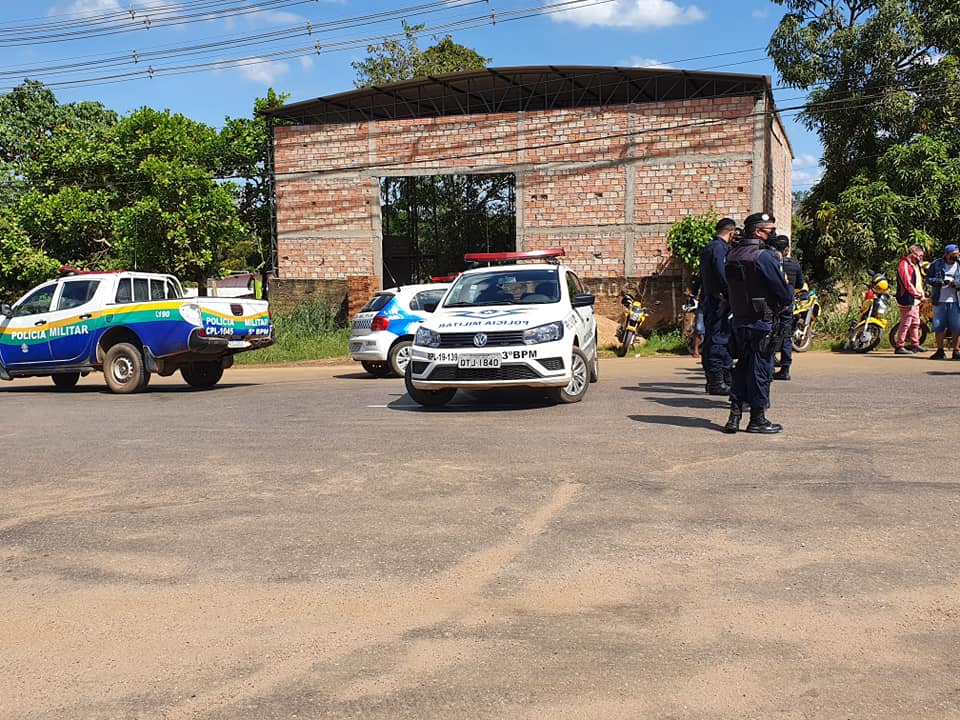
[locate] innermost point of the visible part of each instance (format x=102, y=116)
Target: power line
x=836, y=105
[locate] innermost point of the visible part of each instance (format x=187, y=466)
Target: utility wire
x=831, y=106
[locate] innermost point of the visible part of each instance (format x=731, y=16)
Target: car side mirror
x=430, y=306
x=6, y=310
x=584, y=300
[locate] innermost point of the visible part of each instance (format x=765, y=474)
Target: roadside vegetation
x=307, y=331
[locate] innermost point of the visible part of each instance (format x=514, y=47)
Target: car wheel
x=427, y=398
x=123, y=368
x=579, y=380
x=377, y=369
x=66, y=380
x=399, y=357
x=202, y=374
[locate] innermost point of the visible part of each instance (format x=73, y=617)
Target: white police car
x=381, y=333
x=516, y=325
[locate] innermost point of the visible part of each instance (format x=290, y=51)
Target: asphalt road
x=307, y=542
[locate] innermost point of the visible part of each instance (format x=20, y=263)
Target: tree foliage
x=394, y=60
x=143, y=191
x=690, y=235
x=884, y=86
x=912, y=198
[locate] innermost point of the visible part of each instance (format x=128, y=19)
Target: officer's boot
x=733, y=422
x=716, y=385
x=783, y=373
x=759, y=423
x=728, y=376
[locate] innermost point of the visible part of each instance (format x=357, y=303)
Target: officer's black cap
x=726, y=224
x=758, y=219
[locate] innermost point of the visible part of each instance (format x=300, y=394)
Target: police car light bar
x=513, y=256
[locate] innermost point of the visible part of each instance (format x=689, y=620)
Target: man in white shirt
x=944, y=278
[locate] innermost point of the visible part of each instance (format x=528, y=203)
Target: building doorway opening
x=430, y=221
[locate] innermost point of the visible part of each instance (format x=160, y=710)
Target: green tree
x=881, y=74
x=22, y=264
x=395, y=60
x=912, y=198
x=690, y=235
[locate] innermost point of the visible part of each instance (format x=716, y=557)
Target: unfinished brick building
x=605, y=161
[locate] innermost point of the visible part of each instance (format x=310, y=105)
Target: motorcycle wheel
x=802, y=337
x=924, y=331
x=626, y=343
x=866, y=338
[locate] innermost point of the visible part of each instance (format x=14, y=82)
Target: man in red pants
x=909, y=296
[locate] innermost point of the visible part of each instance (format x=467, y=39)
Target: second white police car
x=524, y=324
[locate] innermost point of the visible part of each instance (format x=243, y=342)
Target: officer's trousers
x=714, y=348
x=753, y=372
x=786, y=352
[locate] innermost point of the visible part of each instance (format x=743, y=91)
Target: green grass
x=660, y=342
x=308, y=331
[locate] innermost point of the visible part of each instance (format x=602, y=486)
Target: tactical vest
x=746, y=287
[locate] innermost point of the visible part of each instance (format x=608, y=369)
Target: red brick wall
x=608, y=199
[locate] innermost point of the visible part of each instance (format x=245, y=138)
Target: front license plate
x=479, y=361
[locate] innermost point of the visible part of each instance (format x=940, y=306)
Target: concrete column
x=630, y=196
x=376, y=220
x=520, y=184
x=759, y=175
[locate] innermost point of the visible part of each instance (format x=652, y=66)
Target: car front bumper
x=542, y=365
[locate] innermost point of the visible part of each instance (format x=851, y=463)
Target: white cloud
x=643, y=63
x=306, y=62
x=100, y=7
x=760, y=14
x=807, y=171
x=264, y=72
x=638, y=14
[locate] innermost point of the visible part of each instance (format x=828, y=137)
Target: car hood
x=500, y=317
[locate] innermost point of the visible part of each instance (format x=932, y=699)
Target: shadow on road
x=362, y=376
x=104, y=390
x=508, y=399
x=677, y=420
x=671, y=388
x=703, y=403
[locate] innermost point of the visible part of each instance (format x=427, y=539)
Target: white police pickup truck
x=129, y=325
x=516, y=325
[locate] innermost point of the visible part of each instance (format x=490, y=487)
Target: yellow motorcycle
x=806, y=310
x=634, y=314
x=867, y=333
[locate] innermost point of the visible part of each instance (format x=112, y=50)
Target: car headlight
x=427, y=338
x=191, y=313
x=543, y=333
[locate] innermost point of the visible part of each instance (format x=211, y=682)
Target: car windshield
x=505, y=287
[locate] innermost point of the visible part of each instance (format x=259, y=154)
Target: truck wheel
x=579, y=380
x=66, y=380
x=427, y=398
x=377, y=369
x=399, y=357
x=123, y=369
x=202, y=374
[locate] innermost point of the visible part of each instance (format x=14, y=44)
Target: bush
x=307, y=331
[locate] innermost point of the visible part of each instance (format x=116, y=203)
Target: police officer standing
x=758, y=294
x=794, y=273
x=717, y=363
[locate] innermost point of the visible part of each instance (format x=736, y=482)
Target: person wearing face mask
x=909, y=297
x=759, y=294
x=944, y=279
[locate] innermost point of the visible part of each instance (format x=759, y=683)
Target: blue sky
x=274, y=44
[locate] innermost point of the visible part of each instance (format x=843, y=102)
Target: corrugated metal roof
x=512, y=89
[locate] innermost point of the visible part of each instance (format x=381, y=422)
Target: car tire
x=399, y=357
x=377, y=369
x=123, y=369
x=202, y=375
x=65, y=381
x=427, y=398
x=579, y=380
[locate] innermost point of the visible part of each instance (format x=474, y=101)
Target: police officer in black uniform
x=714, y=349
x=758, y=294
x=794, y=273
